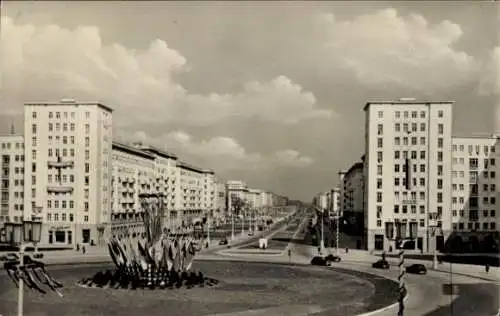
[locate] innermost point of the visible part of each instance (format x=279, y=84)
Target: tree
x=237, y=204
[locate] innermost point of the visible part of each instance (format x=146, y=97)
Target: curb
x=383, y=309
x=466, y=275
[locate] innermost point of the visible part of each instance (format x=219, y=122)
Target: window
x=72, y=127
x=440, y=197
x=87, y=114
x=422, y=168
x=492, y=174
x=379, y=156
x=398, y=114
x=396, y=208
x=440, y=129
x=440, y=142
x=379, y=197
x=33, y=114
x=440, y=113
x=405, y=209
x=440, y=170
x=422, y=182
x=70, y=217
x=379, y=170
x=422, y=127
x=397, y=127
x=86, y=180
x=72, y=138
x=440, y=156
x=87, y=128
x=414, y=141
x=396, y=168
x=414, y=114
x=87, y=154
x=58, y=115
x=87, y=167
x=414, y=127
x=380, y=129
x=87, y=141
x=422, y=140
x=380, y=142
x=396, y=154
x=379, y=183
x=86, y=206
x=422, y=223
x=405, y=127
x=405, y=114
x=63, y=204
x=33, y=167
x=380, y=114
x=33, y=141
x=396, y=182
x=86, y=218
x=440, y=184
x=72, y=152
x=422, y=154
x=397, y=141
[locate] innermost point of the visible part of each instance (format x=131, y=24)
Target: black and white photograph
x=250, y=158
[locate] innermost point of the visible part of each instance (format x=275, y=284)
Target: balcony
x=59, y=189
x=60, y=164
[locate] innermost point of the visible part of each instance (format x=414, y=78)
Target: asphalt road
x=427, y=296
x=243, y=286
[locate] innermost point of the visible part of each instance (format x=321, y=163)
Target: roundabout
x=272, y=288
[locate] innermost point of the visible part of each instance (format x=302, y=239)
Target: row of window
x=6, y=158
x=58, y=127
x=414, y=114
x=474, y=213
x=421, y=222
x=64, y=217
x=12, y=145
x=65, y=204
x=476, y=226
x=58, y=115
x=474, y=188
x=474, y=149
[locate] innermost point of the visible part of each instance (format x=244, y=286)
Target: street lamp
x=19, y=234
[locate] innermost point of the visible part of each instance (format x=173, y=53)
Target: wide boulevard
x=269, y=282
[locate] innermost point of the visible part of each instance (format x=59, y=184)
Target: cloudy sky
x=270, y=93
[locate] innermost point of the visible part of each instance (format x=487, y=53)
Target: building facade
x=68, y=169
x=235, y=189
x=132, y=173
x=475, y=204
x=408, y=173
x=12, y=178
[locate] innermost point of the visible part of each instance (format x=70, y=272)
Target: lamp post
x=232, y=222
x=19, y=234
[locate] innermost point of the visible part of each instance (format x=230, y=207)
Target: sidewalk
x=474, y=271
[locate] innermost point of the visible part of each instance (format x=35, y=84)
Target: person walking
x=487, y=268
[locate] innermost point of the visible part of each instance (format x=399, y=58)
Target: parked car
x=381, y=264
x=223, y=242
x=416, y=269
x=333, y=258
x=320, y=261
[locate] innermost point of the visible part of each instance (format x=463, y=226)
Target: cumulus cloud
x=50, y=62
x=220, y=152
x=490, y=76
x=385, y=48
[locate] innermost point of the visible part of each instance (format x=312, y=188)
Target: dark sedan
x=416, y=269
x=223, y=242
x=333, y=258
x=320, y=261
x=381, y=264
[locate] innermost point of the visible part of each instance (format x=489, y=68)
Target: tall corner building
x=68, y=170
x=408, y=173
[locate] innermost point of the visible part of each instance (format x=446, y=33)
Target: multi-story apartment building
x=12, y=178
x=254, y=197
x=209, y=192
x=165, y=180
x=235, y=189
x=221, y=199
x=475, y=204
x=68, y=169
x=408, y=173
x=353, y=189
x=191, y=192
x=132, y=173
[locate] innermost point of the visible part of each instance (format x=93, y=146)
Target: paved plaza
x=243, y=286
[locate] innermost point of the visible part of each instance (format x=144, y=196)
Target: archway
x=474, y=244
x=489, y=244
x=456, y=244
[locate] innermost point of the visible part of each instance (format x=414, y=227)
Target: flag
x=408, y=173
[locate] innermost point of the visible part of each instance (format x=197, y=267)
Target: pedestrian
x=290, y=255
x=346, y=249
x=83, y=249
x=487, y=268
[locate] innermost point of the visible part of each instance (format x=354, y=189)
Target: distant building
x=12, y=178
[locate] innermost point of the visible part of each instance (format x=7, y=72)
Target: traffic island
x=241, y=287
